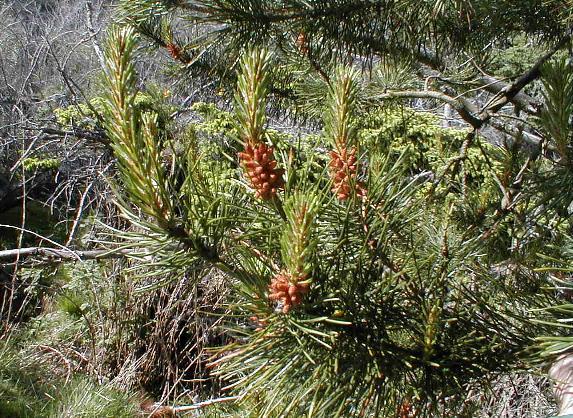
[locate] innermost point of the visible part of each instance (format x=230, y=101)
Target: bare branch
x=96, y=136
x=521, y=100
x=464, y=108
x=58, y=255
x=93, y=34
x=509, y=92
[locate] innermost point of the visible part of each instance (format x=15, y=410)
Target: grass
x=30, y=388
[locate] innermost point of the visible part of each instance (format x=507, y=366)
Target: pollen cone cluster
x=177, y=53
x=405, y=410
x=261, y=168
x=302, y=43
x=343, y=170
x=288, y=290
x=174, y=51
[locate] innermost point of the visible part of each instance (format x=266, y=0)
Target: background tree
x=455, y=47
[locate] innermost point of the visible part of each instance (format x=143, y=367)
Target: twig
x=97, y=136
x=198, y=405
x=60, y=255
x=79, y=213
x=66, y=361
x=93, y=34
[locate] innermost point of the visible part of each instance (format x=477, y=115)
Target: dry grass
x=517, y=396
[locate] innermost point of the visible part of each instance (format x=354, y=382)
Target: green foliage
x=251, y=96
x=89, y=116
x=50, y=365
x=215, y=120
x=218, y=123
x=426, y=286
x=399, y=130
x=298, y=242
x=313, y=37
x=34, y=164
x=555, y=208
x=469, y=176
x=77, y=284
x=401, y=306
x=81, y=114
x=17, y=387
x=143, y=187
x=557, y=116
x=559, y=262
x=515, y=59
x=86, y=399
x=71, y=303
x=29, y=389
x=339, y=126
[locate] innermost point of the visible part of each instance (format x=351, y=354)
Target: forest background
x=409, y=256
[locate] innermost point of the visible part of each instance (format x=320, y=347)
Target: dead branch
x=57, y=255
x=96, y=136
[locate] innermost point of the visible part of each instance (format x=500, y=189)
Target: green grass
x=29, y=389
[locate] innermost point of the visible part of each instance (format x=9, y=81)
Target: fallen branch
x=96, y=136
x=157, y=409
x=51, y=255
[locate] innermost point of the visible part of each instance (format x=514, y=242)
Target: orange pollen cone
x=288, y=290
x=260, y=168
x=343, y=171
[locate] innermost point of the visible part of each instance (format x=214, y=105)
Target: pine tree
x=361, y=287
x=454, y=46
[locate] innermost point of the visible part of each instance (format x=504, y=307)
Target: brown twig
x=43, y=254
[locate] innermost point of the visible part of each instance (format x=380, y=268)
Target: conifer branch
x=257, y=158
